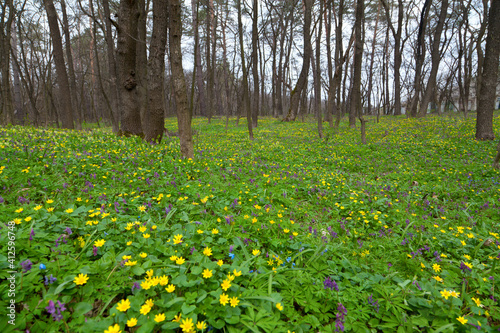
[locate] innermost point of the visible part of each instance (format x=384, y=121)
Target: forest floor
x=285, y=233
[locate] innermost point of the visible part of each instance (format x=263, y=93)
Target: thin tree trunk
x=110, y=45
x=255, y=64
x=245, y=97
x=317, y=74
x=19, y=112
x=356, y=105
x=197, y=58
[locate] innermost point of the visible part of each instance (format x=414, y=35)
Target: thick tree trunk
x=19, y=111
x=301, y=82
x=179, y=81
x=436, y=59
x=487, y=90
x=154, y=123
x=126, y=56
x=372, y=60
x=71, y=69
x=62, y=77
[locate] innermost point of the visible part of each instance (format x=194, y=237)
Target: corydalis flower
x=330, y=284
x=55, y=310
x=340, y=318
x=26, y=265
x=49, y=280
x=32, y=233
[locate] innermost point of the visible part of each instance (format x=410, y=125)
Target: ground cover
x=284, y=233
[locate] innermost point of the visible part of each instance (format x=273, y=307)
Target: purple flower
x=94, y=250
x=340, y=319
x=49, y=280
x=136, y=285
x=32, y=233
x=2, y=200
x=373, y=303
x=68, y=231
x=55, y=310
x=26, y=265
x=330, y=284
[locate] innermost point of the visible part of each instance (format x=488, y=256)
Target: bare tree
x=245, y=99
x=489, y=74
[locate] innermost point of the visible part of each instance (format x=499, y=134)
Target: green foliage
x=276, y=234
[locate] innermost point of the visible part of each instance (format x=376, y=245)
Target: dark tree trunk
x=356, y=106
x=154, y=123
x=317, y=74
x=245, y=97
x=110, y=45
x=179, y=81
x=19, y=111
x=420, y=57
x=126, y=56
x=372, y=60
x=197, y=58
x=436, y=59
x=66, y=111
x=487, y=90
x=255, y=64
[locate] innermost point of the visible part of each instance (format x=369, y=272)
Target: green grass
x=405, y=227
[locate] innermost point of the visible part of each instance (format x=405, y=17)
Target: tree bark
x=435, y=57
x=255, y=64
x=154, y=121
x=487, y=90
x=245, y=97
x=62, y=77
x=317, y=74
x=127, y=55
x=301, y=82
x=356, y=106
x=179, y=81
x=202, y=104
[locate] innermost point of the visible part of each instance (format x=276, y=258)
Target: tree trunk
x=317, y=74
x=127, y=55
x=301, y=82
x=142, y=58
x=62, y=77
x=436, y=59
x=179, y=81
x=420, y=57
x=245, y=97
x=110, y=45
x=197, y=58
x=154, y=121
x=372, y=60
x=487, y=90
x=255, y=64
x=356, y=105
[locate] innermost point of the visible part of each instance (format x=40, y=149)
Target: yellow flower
x=123, y=305
x=131, y=263
x=207, y=251
x=163, y=280
x=279, y=306
x=462, y=320
x=160, y=317
x=256, y=252
x=187, y=325
x=236, y=273
x=463, y=244
x=286, y=230
x=177, y=239
x=99, y=243
x=145, y=309
x=131, y=322
x=220, y=262
x=142, y=228
x=146, y=235
x=199, y=231
x=141, y=208
x=149, y=303
x=226, y=284
x=295, y=234
x=173, y=258
x=28, y=219
x=81, y=279
x=150, y=273
x=207, y=273
x=180, y=261
x=445, y=293
x=234, y=301
x=19, y=210
x=477, y=301
x=113, y=329
x=230, y=277
x=455, y=294
x=437, y=278
x=129, y=243
x=215, y=231
x=170, y=288
x=50, y=209
x=143, y=255
x=177, y=318
x=49, y=201
x=223, y=299
x=436, y=267
x=201, y=325
x=422, y=265
x=145, y=285
x=38, y=207
x=69, y=210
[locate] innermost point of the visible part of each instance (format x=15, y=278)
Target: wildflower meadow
x=284, y=233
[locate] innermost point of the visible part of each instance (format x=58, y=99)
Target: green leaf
x=138, y=270
x=82, y=308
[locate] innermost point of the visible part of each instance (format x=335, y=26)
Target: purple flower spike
x=330, y=284
x=26, y=265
